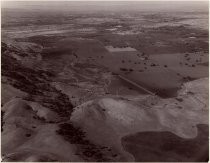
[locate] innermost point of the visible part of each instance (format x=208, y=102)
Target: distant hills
x=82, y=6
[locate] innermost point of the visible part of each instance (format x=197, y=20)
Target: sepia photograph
x=105, y=81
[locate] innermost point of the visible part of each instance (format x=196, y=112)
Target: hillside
x=123, y=82
x=42, y=120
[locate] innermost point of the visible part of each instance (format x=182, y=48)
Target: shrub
x=123, y=69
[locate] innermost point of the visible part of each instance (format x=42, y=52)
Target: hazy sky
x=110, y=5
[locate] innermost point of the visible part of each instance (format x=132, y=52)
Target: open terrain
x=128, y=84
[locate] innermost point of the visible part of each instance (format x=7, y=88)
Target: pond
x=119, y=49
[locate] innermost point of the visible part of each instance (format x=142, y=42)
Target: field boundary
x=137, y=85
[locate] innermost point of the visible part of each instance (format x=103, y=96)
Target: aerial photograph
x=105, y=81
